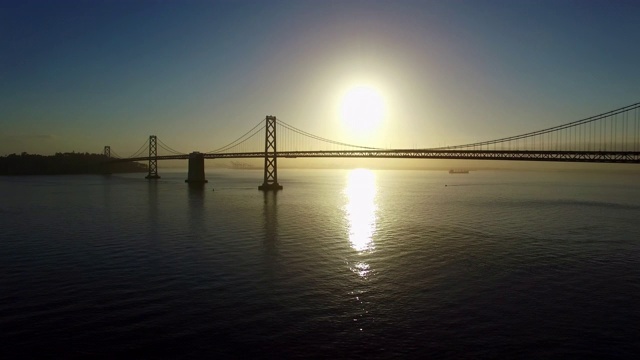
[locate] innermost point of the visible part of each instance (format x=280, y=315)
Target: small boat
x=458, y=171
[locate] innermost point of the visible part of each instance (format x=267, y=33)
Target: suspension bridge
x=611, y=137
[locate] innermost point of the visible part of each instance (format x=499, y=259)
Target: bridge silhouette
x=611, y=137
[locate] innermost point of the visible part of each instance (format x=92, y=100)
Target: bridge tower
x=270, y=157
x=153, y=158
x=106, y=167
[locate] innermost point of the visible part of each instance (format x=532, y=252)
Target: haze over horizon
x=78, y=75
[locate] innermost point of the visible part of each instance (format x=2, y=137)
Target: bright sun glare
x=361, y=209
x=362, y=109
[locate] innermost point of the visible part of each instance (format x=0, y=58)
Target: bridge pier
x=196, y=169
x=270, y=187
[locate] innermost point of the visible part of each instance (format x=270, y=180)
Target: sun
x=362, y=109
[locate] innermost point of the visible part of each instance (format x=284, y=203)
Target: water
x=343, y=264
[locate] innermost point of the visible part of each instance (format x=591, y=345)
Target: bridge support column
x=153, y=158
x=270, y=157
x=196, y=169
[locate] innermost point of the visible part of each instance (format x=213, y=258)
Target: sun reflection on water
x=361, y=209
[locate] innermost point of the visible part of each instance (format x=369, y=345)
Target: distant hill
x=63, y=163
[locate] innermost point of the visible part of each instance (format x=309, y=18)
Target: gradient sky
x=78, y=75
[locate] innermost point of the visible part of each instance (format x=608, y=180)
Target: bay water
x=340, y=264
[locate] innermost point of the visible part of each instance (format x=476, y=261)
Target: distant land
x=63, y=163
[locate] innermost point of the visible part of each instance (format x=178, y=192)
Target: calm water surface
x=342, y=264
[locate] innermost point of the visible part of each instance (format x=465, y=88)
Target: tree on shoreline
x=63, y=163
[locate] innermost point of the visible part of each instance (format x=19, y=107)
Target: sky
x=79, y=75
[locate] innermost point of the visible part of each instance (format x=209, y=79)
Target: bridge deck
x=629, y=157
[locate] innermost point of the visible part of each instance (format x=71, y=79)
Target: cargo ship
x=458, y=171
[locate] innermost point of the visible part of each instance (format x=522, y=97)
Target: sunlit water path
x=357, y=263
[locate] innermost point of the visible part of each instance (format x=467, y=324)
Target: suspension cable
x=547, y=130
x=115, y=154
x=137, y=153
x=236, y=143
x=233, y=143
x=304, y=133
x=168, y=148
